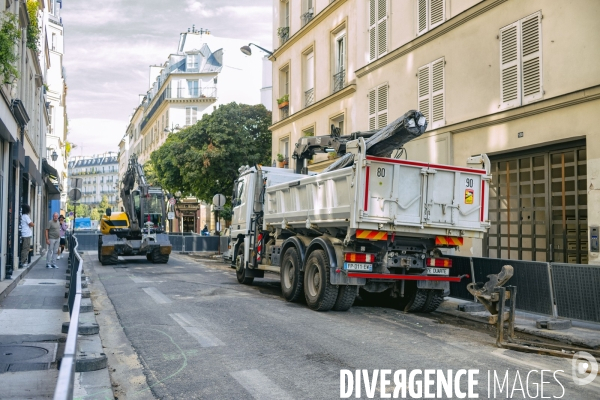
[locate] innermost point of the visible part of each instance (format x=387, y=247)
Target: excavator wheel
x=109, y=260
x=158, y=258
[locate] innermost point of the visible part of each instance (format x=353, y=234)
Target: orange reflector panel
x=371, y=235
x=359, y=257
x=438, y=262
x=448, y=241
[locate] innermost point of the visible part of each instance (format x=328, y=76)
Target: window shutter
x=510, y=75
x=382, y=105
x=424, y=93
x=381, y=27
x=372, y=31
x=437, y=93
x=188, y=116
x=372, y=109
x=531, y=60
x=437, y=13
x=422, y=16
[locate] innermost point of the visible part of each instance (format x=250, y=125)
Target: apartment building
x=519, y=81
x=99, y=175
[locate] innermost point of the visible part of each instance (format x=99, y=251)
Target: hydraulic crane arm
x=134, y=173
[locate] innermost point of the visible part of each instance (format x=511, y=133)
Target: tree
x=150, y=174
x=82, y=209
x=104, y=204
x=203, y=159
x=95, y=214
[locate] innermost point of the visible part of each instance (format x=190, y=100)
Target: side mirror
x=108, y=212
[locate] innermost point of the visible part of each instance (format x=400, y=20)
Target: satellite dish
x=74, y=194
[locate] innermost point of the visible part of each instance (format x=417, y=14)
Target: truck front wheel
x=292, y=279
x=240, y=267
x=319, y=292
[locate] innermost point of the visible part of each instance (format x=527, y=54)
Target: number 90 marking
x=469, y=182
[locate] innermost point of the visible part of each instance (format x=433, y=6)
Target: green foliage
x=9, y=36
x=95, y=214
x=283, y=99
x=82, y=209
x=203, y=159
x=150, y=173
x=33, y=30
x=226, y=213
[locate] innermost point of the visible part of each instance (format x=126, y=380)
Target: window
x=192, y=61
x=339, y=75
x=378, y=107
x=309, y=78
x=191, y=115
x=284, y=30
x=377, y=28
x=337, y=125
x=431, y=93
x=308, y=131
x=192, y=88
x=284, y=90
x=521, y=62
x=54, y=41
x=430, y=13
x=284, y=149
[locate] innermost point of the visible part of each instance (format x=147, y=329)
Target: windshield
x=153, y=206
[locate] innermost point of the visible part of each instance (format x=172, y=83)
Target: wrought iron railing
x=284, y=34
x=196, y=93
x=306, y=17
x=309, y=97
x=339, y=81
x=284, y=112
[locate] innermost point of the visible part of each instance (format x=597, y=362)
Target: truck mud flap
x=338, y=277
x=254, y=273
x=436, y=285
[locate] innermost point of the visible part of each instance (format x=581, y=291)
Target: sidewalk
x=581, y=334
x=31, y=319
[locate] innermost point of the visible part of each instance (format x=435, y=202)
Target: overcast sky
x=110, y=44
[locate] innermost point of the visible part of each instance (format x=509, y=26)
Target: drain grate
x=47, y=283
x=27, y=357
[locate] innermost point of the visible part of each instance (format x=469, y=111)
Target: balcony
x=309, y=97
x=307, y=17
x=196, y=93
x=284, y=34
x=339, y=81
x=284, y=112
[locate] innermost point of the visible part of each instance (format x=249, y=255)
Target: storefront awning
x=48, y=169
x=53, y=192
x=31, y=170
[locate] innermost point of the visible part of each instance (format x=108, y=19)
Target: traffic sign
x=74, y=194
x=219, y=200
x=170, y=215
x=172, y=202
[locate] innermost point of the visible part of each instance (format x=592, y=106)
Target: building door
x=189, y=223
x=538, y=205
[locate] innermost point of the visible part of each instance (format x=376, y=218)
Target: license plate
x=438, y=271
x=358, y=267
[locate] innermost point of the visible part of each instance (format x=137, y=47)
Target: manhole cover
x=47, y=283
x=11, y=354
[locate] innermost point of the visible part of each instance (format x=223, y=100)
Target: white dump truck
x=378, y=225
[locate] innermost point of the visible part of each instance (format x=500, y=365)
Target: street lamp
x=54, y=155
x=248, y=51
x=173, y=129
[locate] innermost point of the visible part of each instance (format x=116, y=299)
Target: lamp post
x=248, y=51
x=174, y=128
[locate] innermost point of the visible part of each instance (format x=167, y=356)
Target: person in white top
x=26, y=234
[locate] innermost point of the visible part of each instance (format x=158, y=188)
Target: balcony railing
x=339, y=81
x=309, y=97
x=284, y=34
x=284, y=112
x=198, y=93
x=307, y=17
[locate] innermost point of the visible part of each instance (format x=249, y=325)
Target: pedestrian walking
x=26, y=234
x=52, y=240
x=63, y=234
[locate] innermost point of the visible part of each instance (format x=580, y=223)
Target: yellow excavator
x=140, y=229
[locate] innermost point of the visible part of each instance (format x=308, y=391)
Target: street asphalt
x=193, y=332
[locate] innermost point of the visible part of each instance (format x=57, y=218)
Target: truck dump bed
x=385, y=194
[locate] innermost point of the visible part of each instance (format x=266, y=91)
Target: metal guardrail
x=66, y=375
x=554, y=289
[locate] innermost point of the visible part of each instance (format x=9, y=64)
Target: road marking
x=196, y=330
x=258, y=385
x=156, y=295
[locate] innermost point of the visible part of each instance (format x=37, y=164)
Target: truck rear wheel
x=240, y=267
x=345, y=298
x=319, y=292
x=292, y=278
x=434, y=299
x=417, y=301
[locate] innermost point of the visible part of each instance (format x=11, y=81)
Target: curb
x=87, y=362
x=16, y=280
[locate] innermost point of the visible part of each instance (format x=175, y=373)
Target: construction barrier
x=576, y=291
x=88, y=241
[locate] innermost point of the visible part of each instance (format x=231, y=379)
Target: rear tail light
x=439, y=262
x=359, y=257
